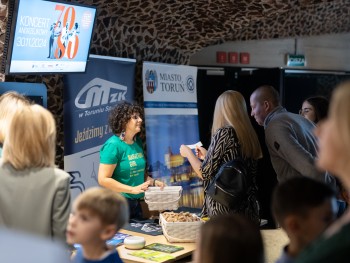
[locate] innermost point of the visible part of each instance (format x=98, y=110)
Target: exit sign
x=296, y=60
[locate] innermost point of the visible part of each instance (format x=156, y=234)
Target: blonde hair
x=231, y=109
x=10, y=102
x=109, y=206
x=340, y=112
x=31, y=139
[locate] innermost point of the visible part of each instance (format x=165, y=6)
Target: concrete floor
x=274, y=241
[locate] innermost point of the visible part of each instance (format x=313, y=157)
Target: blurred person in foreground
x=303, y=216
x=19, y=247
x=229, y=239
x=334, y=155
x=35, y=195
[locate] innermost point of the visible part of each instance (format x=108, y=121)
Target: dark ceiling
x=126, y=27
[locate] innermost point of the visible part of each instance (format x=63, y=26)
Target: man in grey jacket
x=289, y=137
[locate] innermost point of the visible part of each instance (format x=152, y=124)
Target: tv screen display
x=49, y=37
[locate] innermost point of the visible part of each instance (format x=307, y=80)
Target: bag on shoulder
x=230, y=185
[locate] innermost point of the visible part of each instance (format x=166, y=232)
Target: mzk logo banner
x=88, y=99
x=171, y=119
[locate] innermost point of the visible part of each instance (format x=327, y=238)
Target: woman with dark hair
x=122, y=161
x=315, y=108
x=334, y=155
x=229, y=238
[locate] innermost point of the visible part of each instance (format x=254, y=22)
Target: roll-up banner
x=88, y=99
x=171, y=119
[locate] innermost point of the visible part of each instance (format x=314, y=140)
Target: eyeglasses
x=304, y=111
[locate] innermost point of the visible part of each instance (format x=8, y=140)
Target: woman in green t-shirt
x=122, y=161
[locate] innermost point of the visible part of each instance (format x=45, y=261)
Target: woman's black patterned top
x=224, y=147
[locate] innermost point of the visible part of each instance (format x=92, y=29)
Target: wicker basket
x=166, y=199
x=180, y=232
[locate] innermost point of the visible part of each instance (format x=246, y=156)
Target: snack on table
x=180, y=217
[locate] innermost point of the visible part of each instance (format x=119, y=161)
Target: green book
x=152, y=255
x=164, y=247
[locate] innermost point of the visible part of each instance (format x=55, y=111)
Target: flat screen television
x=48, y=37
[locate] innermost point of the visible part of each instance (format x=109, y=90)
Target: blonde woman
x=232, y=136
x=34, y=196
x=334, y=156
x=9, y=103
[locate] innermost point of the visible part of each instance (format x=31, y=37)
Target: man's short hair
x=268, y=93
x=109, y=206
x=296, y=196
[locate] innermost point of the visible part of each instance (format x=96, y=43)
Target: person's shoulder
x=113, y=139
x=40, y=249
x=334, y=249
x=225, y=129
x=283, y=115
x=61, y=174
x=288, y=119
x=114, y=257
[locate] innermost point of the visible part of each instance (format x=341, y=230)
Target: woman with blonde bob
x=334, y=156
x=10, y=102
x=232, y=136
x=35, y=195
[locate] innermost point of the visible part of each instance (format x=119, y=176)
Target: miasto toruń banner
x=171, y=119
x=88, y=99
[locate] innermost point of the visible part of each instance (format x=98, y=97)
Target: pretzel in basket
x=179, y=217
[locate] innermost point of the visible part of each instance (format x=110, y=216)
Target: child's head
x=227, y=237
x=304, y=208
x=98, y=213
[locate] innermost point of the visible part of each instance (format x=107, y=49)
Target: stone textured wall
x=170, y=31
x=3, y=23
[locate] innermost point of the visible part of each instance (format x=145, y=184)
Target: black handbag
x=230, y=185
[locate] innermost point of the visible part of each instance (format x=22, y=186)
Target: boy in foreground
x=97, y=215
x=304, y=208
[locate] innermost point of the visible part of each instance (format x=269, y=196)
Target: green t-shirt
x=129, y=159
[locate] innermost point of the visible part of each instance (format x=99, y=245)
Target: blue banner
x=88, y=99
x=171, y=119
